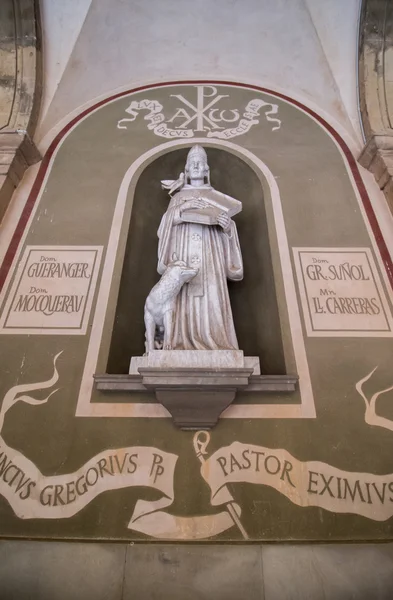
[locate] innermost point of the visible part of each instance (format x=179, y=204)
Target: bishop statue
x=198, y=229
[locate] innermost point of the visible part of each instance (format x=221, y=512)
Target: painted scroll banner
x=310, y=483
x=250, y=117
x=35, y=496
x=205, y=116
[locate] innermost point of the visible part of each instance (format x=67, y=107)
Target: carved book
x=217, y=203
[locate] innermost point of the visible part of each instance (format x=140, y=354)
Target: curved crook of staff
x=201, y=441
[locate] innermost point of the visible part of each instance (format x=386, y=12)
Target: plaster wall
x=336, y=25
x=315, y=205
x=305, y=48
x=62, y=22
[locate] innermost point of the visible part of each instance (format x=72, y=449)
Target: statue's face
x=196, y=168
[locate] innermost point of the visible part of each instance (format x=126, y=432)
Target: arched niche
x=254, y=300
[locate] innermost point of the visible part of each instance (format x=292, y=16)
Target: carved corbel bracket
x=195, y=397
x=376, y=91
x=20, y=92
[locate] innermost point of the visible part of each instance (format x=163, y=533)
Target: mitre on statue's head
x=197, y=153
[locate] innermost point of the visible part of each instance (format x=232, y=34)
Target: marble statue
x=161, y=303
x=197, y=227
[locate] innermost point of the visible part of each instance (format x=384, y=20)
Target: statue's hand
x=224, y=221
x=194, y=203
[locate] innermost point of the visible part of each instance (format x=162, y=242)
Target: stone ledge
x=256, y=383
x=194, y=378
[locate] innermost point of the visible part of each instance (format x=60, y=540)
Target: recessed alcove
x=253, y=300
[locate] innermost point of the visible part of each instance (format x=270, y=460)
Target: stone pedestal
x=195, y=359
x=195, y=386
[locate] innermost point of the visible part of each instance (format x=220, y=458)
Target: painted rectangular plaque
x=53, y=290
x=341, y=293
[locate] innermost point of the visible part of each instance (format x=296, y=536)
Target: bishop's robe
x=203, y=316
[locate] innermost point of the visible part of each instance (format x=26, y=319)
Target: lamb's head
x=180, y=270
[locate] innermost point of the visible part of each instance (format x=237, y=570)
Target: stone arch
x=289, y=316
x=253, y=300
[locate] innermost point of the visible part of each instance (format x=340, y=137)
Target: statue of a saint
x=198, y=228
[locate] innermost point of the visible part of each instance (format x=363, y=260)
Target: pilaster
x=20, y=91
x=376, y=91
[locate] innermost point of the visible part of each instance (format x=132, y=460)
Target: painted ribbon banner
x=309, y=483
x=35, y=496
x=157, y=123
x=156, y=118
x=249, y=119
